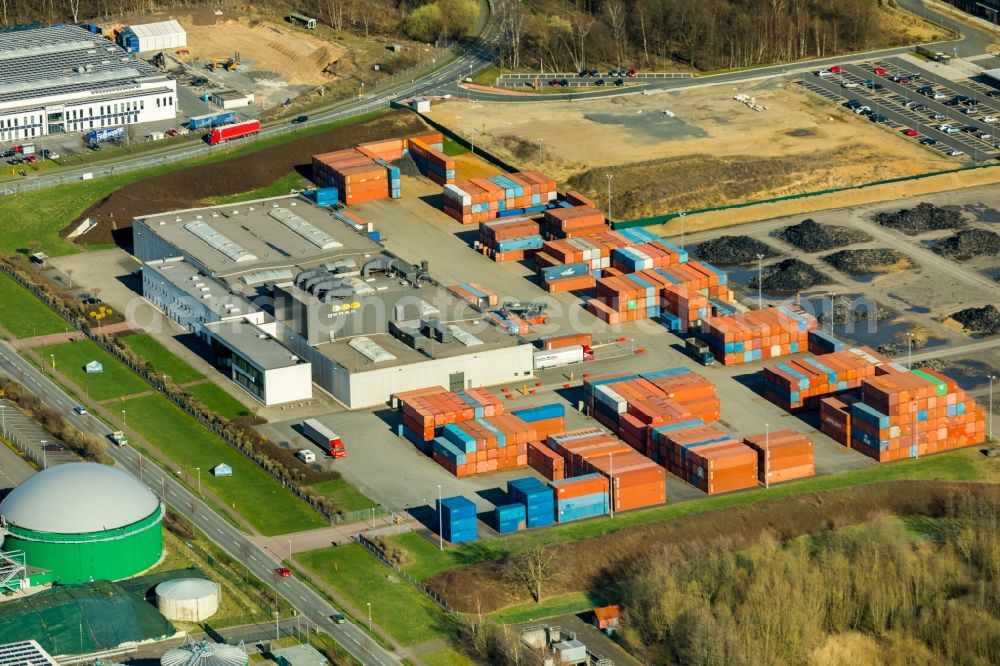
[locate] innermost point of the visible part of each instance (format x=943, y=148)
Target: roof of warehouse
x=246, y=338
x=229, y=94
x=144, y=30
x=343, y=354
x=301, y=655
x=992, y=73
x=204, y=290
x=45, y=61
x=275, y=239
x=78, y=498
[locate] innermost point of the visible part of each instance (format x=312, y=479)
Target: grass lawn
x=23, y=314
x=406, y=614
x=115, y=381
x=162, y=359
x=347, y=497
x=258, y=497
x=277, y=188
x=445, y=657
x=452, y=147
x=964, y=465
x=38, y=216
x=220, y=402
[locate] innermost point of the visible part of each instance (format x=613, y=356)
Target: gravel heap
x=811, y=236
x=985, y=320
x=935, y=364
x=969, y=243
x=846, y=310
x=733, y=250
x=789, y=275
x=925, y=217
x=859, y=262
x=406, y=166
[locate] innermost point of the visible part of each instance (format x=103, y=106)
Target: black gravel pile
x=733, y=250
x=811, y=236
x=859, y=262
x=925, y=217
x=789, y=275
x=969, y=243
x=406, y=166
x=846, y=310
x=935, y=364
x=985, y=320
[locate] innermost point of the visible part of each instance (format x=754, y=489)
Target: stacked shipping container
x=475, y=294
x=574, y=222
x=509, y=518
x=509, y=240
x=782, y=455
x=906, y=414
x=457, y=518
x=356, y=176
x=426, y=152
x=426, y=411
x=706, y=457
x=538, y=500
x=580, y=497
x=800, y=383
x=758, y=334
x=511, y=195
x=482, y=445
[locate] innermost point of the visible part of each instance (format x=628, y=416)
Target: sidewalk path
x=58, y=338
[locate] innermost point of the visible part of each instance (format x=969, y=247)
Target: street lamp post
x=369, y=604
x=909, y=351
x=610, y=176
x=53, y=357
x=682, y=230
x=767, y=456
x=289, y=551
x=45, y=459
x=760, y=280
x=277, y=635
x=540, y=152
x=832, y=296
x=199, y=480
x=611, y=486
x=440, y=521
x=990, y=427
x=123, y=419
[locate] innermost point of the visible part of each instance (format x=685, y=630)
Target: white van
x=306, y=456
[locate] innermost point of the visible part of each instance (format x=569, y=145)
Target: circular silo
x=188, y=599
x=204, y=653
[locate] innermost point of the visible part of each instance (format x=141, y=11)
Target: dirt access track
x=598, y=562
x=188, y=188
x=712, y=151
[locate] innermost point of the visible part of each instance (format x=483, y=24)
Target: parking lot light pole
x=199, y=480
x=990, y=427
x=767, y=456
x=53, y=357
x=440, y=521
x=760, y=280
x=909, y=351
x=45, y=458
x=369, y=604
x=610, y=176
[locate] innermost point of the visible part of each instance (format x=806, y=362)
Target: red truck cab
x=337, y=449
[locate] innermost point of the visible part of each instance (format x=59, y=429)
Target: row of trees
x=871, y=594
x=708, y=34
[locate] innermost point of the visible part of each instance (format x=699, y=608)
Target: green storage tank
x=84, y=522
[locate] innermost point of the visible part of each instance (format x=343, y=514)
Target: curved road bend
x=302, y=597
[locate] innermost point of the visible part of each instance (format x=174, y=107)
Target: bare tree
x=74, y=8
x=616, y=15
x=532, y=568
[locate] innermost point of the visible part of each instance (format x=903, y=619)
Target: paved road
x=953, y=350
x=13, y=469
x=307, y=602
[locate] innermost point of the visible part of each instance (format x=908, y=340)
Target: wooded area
x=888, y=592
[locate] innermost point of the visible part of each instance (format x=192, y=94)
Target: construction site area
x=717, y=150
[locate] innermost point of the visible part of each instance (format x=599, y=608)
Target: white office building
x=67, y=79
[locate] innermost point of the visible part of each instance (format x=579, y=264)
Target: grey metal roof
x=160, y=29
x=219, y=242
x=261, y=349
x=77, y=498
x=307, y=230
x=53, y=61
x=205, y=654
x=181, y=589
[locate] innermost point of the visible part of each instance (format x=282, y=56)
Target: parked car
x=848, y=84
x=938, y=95
x=956, y=153
x=836, y=69
x=938, y=116
x=7, y=153
x=824, y=72
x=563, y=82
x=594, y=74
x=284, y=572
x=910, y=132
x=852, y=104
x=993, y=93
x=878, y=118
x=584, y=73
x=30, y=159
x=970, y=110
x=904, y=81
x=171, y=132
x=985, y=135
x=600, y=82
x=863, y=109
x=895, y=78
x=919, y=107
x=631, y=73
x=989, y=119
x=300, y=119
x=613, y=74
x=53, y=448
x=619, y=82
x=881, y=71
x=554, y=83
x=927, y=141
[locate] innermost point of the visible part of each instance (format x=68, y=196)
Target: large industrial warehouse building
x=66, y=79
x=281, y=289
x=81, y=522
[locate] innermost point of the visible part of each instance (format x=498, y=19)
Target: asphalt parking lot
x=906, y=109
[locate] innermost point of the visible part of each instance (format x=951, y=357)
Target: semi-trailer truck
x=105, y=134
x=230, y=132
x=699, y=351
x=553, y=358
x=325, y=438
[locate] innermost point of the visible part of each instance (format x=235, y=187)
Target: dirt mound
x=734, y=250
x=188, y=187
x=789, y=275
x=847, y=310
x=811, y=236
x=925, y=217
x=969, y=243
x=598, y=562
x=985, y=320
x=860, y=262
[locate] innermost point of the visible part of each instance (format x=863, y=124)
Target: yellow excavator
x=228, y=64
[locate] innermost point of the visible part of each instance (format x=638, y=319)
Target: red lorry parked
x=229, y=132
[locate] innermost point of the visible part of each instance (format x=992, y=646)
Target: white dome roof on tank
x=78, y=498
